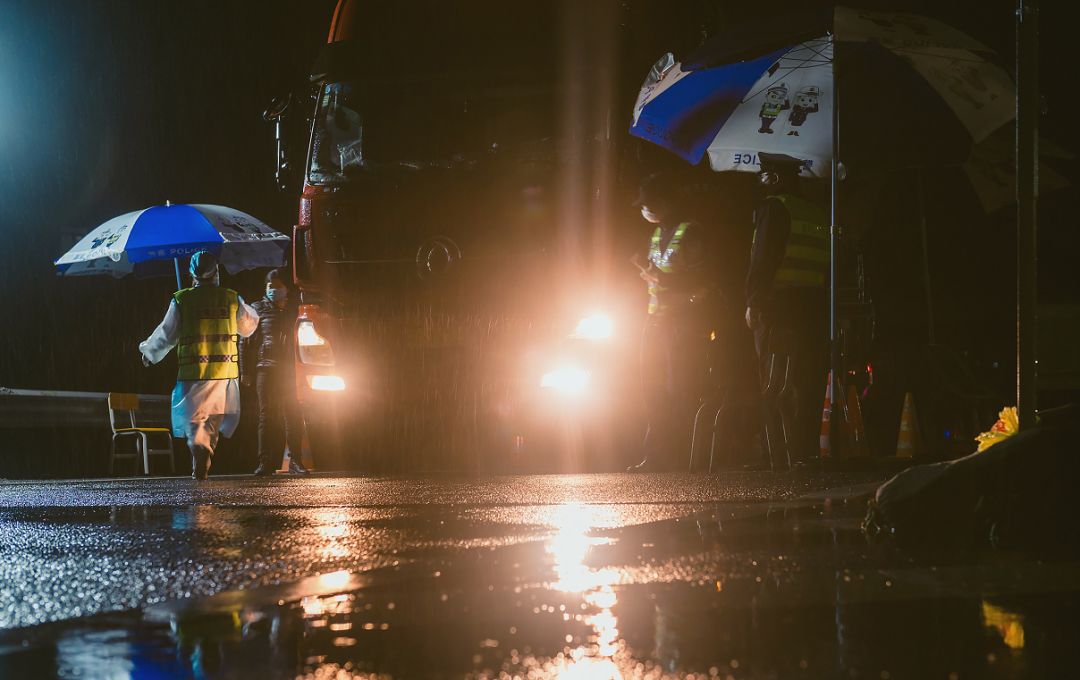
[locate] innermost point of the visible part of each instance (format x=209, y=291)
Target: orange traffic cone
x=824, y=441
x=908, y=442
x=855, y=424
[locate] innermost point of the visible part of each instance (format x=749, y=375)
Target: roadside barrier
x=53, y=434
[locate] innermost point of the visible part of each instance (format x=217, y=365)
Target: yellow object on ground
x=1007, y=425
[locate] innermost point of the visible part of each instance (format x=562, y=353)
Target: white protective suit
x=201, y=409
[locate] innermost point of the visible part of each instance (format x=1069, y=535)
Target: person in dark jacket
x=786, y=303
x=673, y=343
x=268, y=362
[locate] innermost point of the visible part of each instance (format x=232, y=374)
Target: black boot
x=200, y=463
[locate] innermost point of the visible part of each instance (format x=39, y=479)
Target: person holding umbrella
x=268, y=357
x=203, y=323
x=786, y=301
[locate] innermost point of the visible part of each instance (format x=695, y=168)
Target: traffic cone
x=854, y=421
x=908, y=442
x=824, y=442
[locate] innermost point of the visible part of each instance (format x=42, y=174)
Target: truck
x=463, y=235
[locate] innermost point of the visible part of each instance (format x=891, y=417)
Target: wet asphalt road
x=590, y=576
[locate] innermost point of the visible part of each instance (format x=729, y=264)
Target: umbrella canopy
x=904, y=90
x=169, y=232
x=880, y=90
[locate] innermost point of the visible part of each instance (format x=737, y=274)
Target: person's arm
x=248, y=348
x=772, y=225
x=164, y=337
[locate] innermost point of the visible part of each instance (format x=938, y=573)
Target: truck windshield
x=420, y=125
x=337, y=141
x=429, y=83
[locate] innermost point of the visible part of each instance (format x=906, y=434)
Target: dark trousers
x=795, y=325
x=280, y=421
x=673, y=367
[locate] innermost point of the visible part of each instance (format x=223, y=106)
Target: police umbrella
x=879, y=90
x=140, y=242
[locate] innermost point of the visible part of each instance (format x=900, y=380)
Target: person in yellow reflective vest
x=673, y=341
x=787, y=306
x=203, y=323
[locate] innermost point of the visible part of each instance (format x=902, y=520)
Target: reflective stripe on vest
x=806, y=255
x=207, y=349
x=661, y=259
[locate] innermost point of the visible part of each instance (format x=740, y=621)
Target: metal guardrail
x=49, y=408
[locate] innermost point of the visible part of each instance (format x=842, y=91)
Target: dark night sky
x=109, y=106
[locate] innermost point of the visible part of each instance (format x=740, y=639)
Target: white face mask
x=650, y=216
x=277, y=294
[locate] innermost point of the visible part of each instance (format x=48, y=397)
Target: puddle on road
x=792, y=592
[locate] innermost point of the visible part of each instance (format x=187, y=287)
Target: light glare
x=326, y=383
x=566, y=379
x=307, y=336
x=595, y=327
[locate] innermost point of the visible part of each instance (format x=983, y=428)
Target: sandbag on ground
x=1023, y=492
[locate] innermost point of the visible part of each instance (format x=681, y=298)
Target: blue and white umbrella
x=880, y=90
x=912, y=92
x=133, y=241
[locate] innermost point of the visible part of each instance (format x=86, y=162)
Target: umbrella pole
x=834, y=237
x=176, y=266
x=1027, y=192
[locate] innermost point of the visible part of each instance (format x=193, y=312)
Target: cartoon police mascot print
x=806, y=102
x=776, y=100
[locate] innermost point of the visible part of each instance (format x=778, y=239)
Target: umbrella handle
x=176, y=266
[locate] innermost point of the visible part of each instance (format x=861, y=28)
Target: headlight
x=595, y=327
x=326, y=383
x=569, y=380
x=314, y=349
x=307, y=336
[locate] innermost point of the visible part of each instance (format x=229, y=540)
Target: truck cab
x=460, y=249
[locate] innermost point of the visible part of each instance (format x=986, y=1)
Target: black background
x=109, y=106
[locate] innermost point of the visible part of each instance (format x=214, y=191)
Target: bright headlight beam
x=569, y=380
x=595, y=327
x=326, y=383
x=307, y=336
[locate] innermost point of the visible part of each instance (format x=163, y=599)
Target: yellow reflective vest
x=661, y=259
x=208, y=347
x=806, y=255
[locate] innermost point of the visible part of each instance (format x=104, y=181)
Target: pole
x=1027, y=193
x=931, y=336
x=176, y=266
x=834, y=237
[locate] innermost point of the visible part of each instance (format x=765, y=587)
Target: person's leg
x=653, y=391
x=770, y=432
x=270, y=445
x=213, y=433
x=688, y=362
x=201, y=447
x=294, y=423
x=652, y=383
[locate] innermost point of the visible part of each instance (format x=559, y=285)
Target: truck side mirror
x=275, y=113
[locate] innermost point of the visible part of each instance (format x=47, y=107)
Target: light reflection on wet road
x=568, y=589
